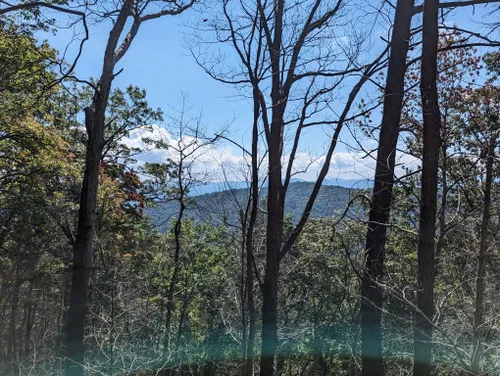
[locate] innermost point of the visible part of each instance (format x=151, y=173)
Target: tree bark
x=12, y=349
x=83, y=250
x=177, y=266
x=371, y=304
x=29, y=314
x=428, y=199
x=444, y=197
x=63, y=320
x=275, y=204
x=252, y=316
x=481, y=266
x=275, y=208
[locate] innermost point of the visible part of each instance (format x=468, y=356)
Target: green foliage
x=221, y=207
x=138, y=251
x=26, y=76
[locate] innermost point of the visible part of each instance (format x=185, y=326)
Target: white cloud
x=219, y=162
x=206, y=158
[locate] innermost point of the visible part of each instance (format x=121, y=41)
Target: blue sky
x=159, y=62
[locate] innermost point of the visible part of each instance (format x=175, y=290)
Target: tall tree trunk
x=252, y=316
x=275, y=202
x=428, y=198
x=175, y=275
x=177, y=268
x=182, y=332
x=444, y=196
x=244, y=285
x=63, y=316
x=12, y=348
x=95, y=116
x=275, y=206
x=29, y=314
x=270, y=285
x=481, y=266
x=371, y=304
x=83, y=248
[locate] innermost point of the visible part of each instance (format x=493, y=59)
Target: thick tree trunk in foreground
x=371, y=304
x=83, y=248
x=274, y=240
x=95, y=116
x=428, y=198
x=283, y=63
x=275, y=203
x=481, y=266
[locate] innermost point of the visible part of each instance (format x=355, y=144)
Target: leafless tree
x=295, y=65
x=173, y=180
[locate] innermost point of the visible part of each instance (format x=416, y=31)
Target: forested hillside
x=225, y=207
x=250, y=188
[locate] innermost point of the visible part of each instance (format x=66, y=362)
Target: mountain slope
x=223, y=186
x=225, y=206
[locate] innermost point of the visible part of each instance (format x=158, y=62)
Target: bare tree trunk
x=252, y=330
x=270, y=286
x=243, y=286
x=481, y=266
x=283, y=54
x=176, y=271
x=83, y=250
x=63, y=316
x=371, y=303
x=29, y=314
x=12, y=348
x=275, y=201
x=177, y=266
x=428, y=199
x=444, y=193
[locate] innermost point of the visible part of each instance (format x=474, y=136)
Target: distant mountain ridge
x=224, y=186
x=225, y=206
